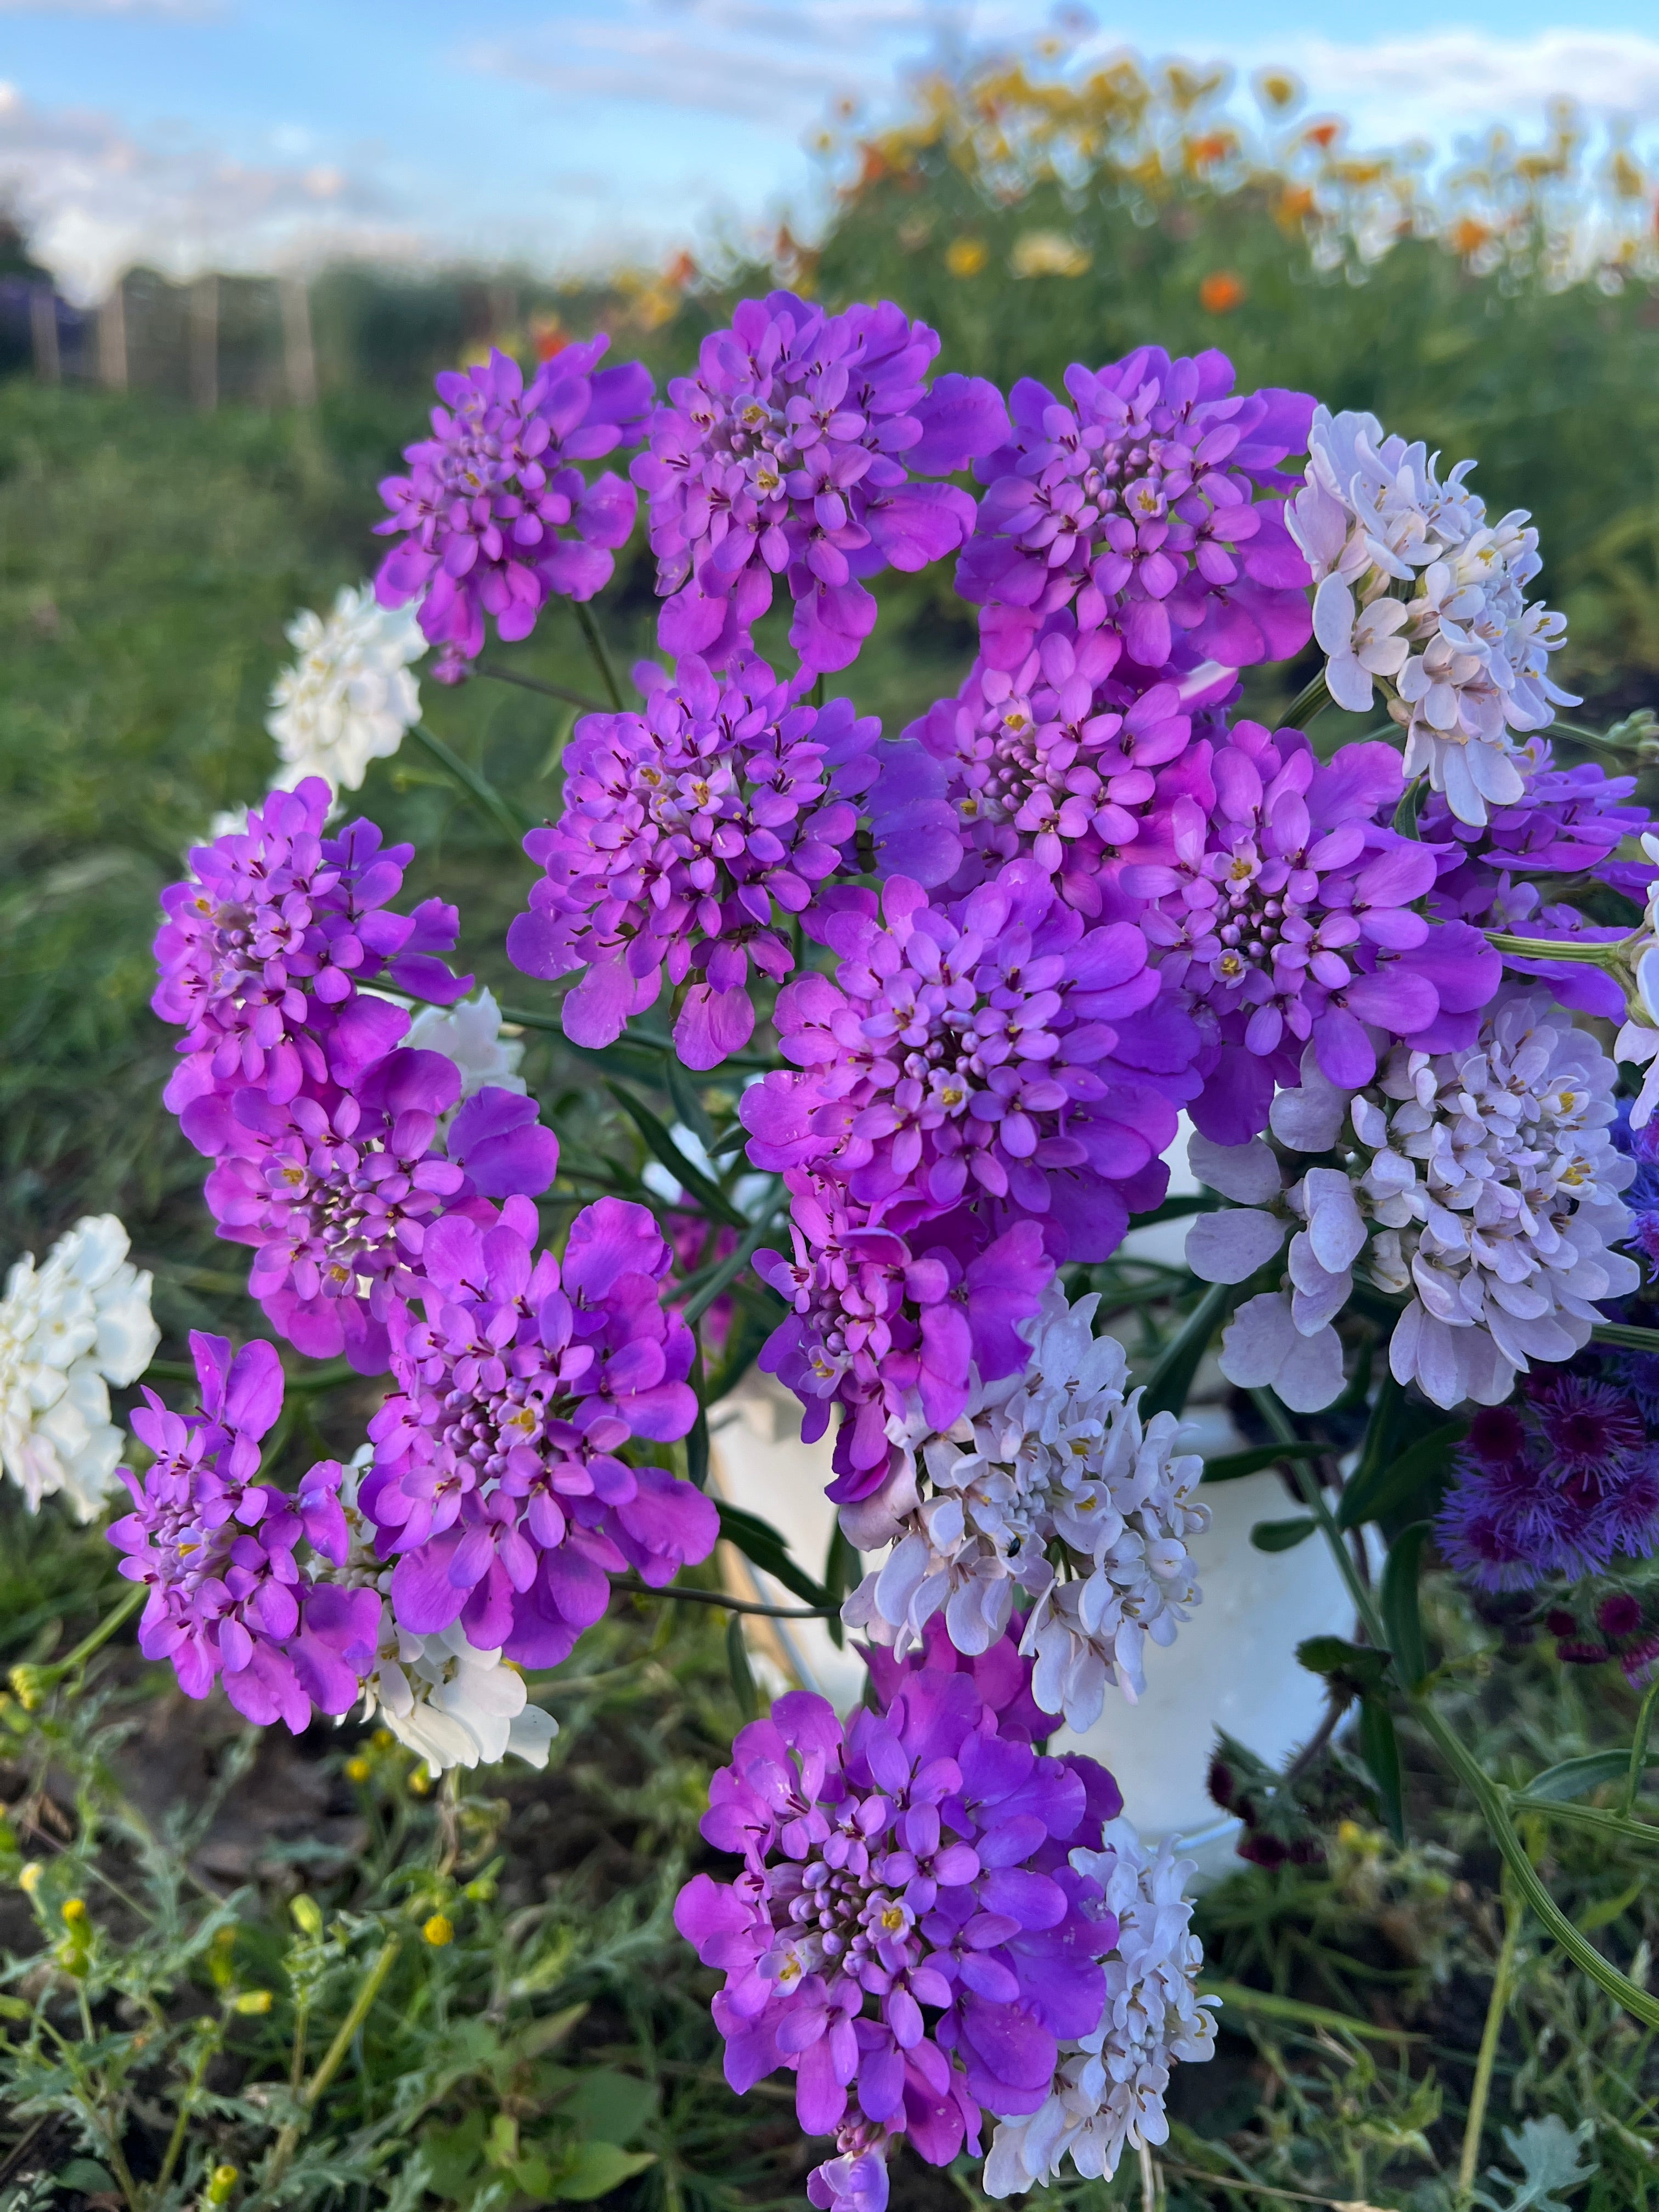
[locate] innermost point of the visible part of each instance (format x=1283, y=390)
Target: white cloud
x=95, y=199
x=187, y=11
x=1458, y=76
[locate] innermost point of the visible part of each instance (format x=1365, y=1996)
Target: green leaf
x=612, y=2106
x=1379, y=1749
x=1170, y=1381
x=744, y=1685
x=1610, y=1908
x=1388, y=1485
x=86, y=2175
x=687, y=1104
x=690, y=1178
x=1281, y=1536
x=455, y=2156
x=1177, y=1209
x=841, y=1570
x=1231, y=1466
x=1400, y=1614
x=759, y=1541
x=1410, y=806
x=1352, y=1666
x=1575, y=1777
x=594, y=2169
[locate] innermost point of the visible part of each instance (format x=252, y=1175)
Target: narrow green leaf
x=1375, y=1450
x=1355, y=1667
x=690, y=1178
x=696, y=1451
x=841, y=1570
x=1379, y=1749
x=1170, y=1381
x=760, y=1542
x=720, y=1278
x=1574, y=1777
x=1604, y=1914
x=1245, y=1999
x=1281, y=1536
x=687, y=1104
x=1390, y=1486
x=1400, y=1614
x=1231, y=1466
x=1626, y=1333
x=1410, y=806
x=1177, y=1209
x=743, y=1674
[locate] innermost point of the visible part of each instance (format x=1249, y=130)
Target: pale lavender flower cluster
x=906, y=1936
x=1283, y=910
x=325, y=1132
x=229, y=1602
x=1137, y=504
x=792, y=452
x=691, y=835
x=495, y=516
x=497, y=1485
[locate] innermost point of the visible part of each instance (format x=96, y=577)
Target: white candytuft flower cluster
x=68, y=1330
x=1483, y=1183
x=349, y=696
x=1057, y=1456
x=453, y=1705
x=1109, y=2089
x=1418, y=592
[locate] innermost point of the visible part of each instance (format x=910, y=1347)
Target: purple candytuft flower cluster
x=324, y=1132
x=264, y=949
x=1046, y=760
x=228, y=1601
x=1284, y=911
x=496, y=1486
x=791, y=452
x=1556, y=1483
x=1137, y=505
x=495, y=517
x=908, y=1935
x=995, y=1049
x=691, y=834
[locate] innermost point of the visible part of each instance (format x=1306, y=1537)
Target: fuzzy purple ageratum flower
x=496, y=1486
x=1554, y=1484
x=1137, y=504
x=691, y=834
x=1283, y=910
x=228, y=1600
x=876, y=1319
x=991, y=1049
x=336, y=1189
x=494, y=515
x=906, y=1934
x=264, y=948
x=791, y=452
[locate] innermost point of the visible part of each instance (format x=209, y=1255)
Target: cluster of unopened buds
x=983, y=974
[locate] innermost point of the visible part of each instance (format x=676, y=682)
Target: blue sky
x=259, y=132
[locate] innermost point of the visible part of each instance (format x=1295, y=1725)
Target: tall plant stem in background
x=288, y=2141
x=1311, y=700
x=596, y=646
x=535, y=684
x=31, y=1683
x=1496, y=2004
x=477, y=786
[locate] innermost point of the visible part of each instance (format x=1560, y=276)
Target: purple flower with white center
x=1556, y=1484
x=336, y=1193
x=991, y=1050
x=264, y=949
x=879, y=1323
x=1048, y=761
x=497, y=1485
x=495, y=516
x=228, y=1600
x=791, y=452
x=1285, y=909
x=906, y=1935
x=1137, y=504
x=691, y=834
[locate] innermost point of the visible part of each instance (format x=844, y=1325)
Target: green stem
x=1313, y=1495
x=1611, y=954
x=596, y=646
x=1555, y=1923
x=477, y=786
x=288, y=2141
x=637, y=1588
x=187, y=2106
x=729, y=1269
x=1638, y=1750
x=1311, y=700
x=1614, y=1825
x=534, y=684
x=1496, y=2005
x=1298, y=2014
x=1626, y=1334
x=32, y=1683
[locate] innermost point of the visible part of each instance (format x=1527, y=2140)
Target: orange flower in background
x=1323, y=135
x=1468, y=236
x=1221, y=292
x=547, y=336
x=681, y=271
x=1215, y=147
x=966, y=257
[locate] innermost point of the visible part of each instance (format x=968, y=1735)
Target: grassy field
x=245, y=1900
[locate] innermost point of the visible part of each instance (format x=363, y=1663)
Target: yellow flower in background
x=966, y=257
x=1047, y=254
